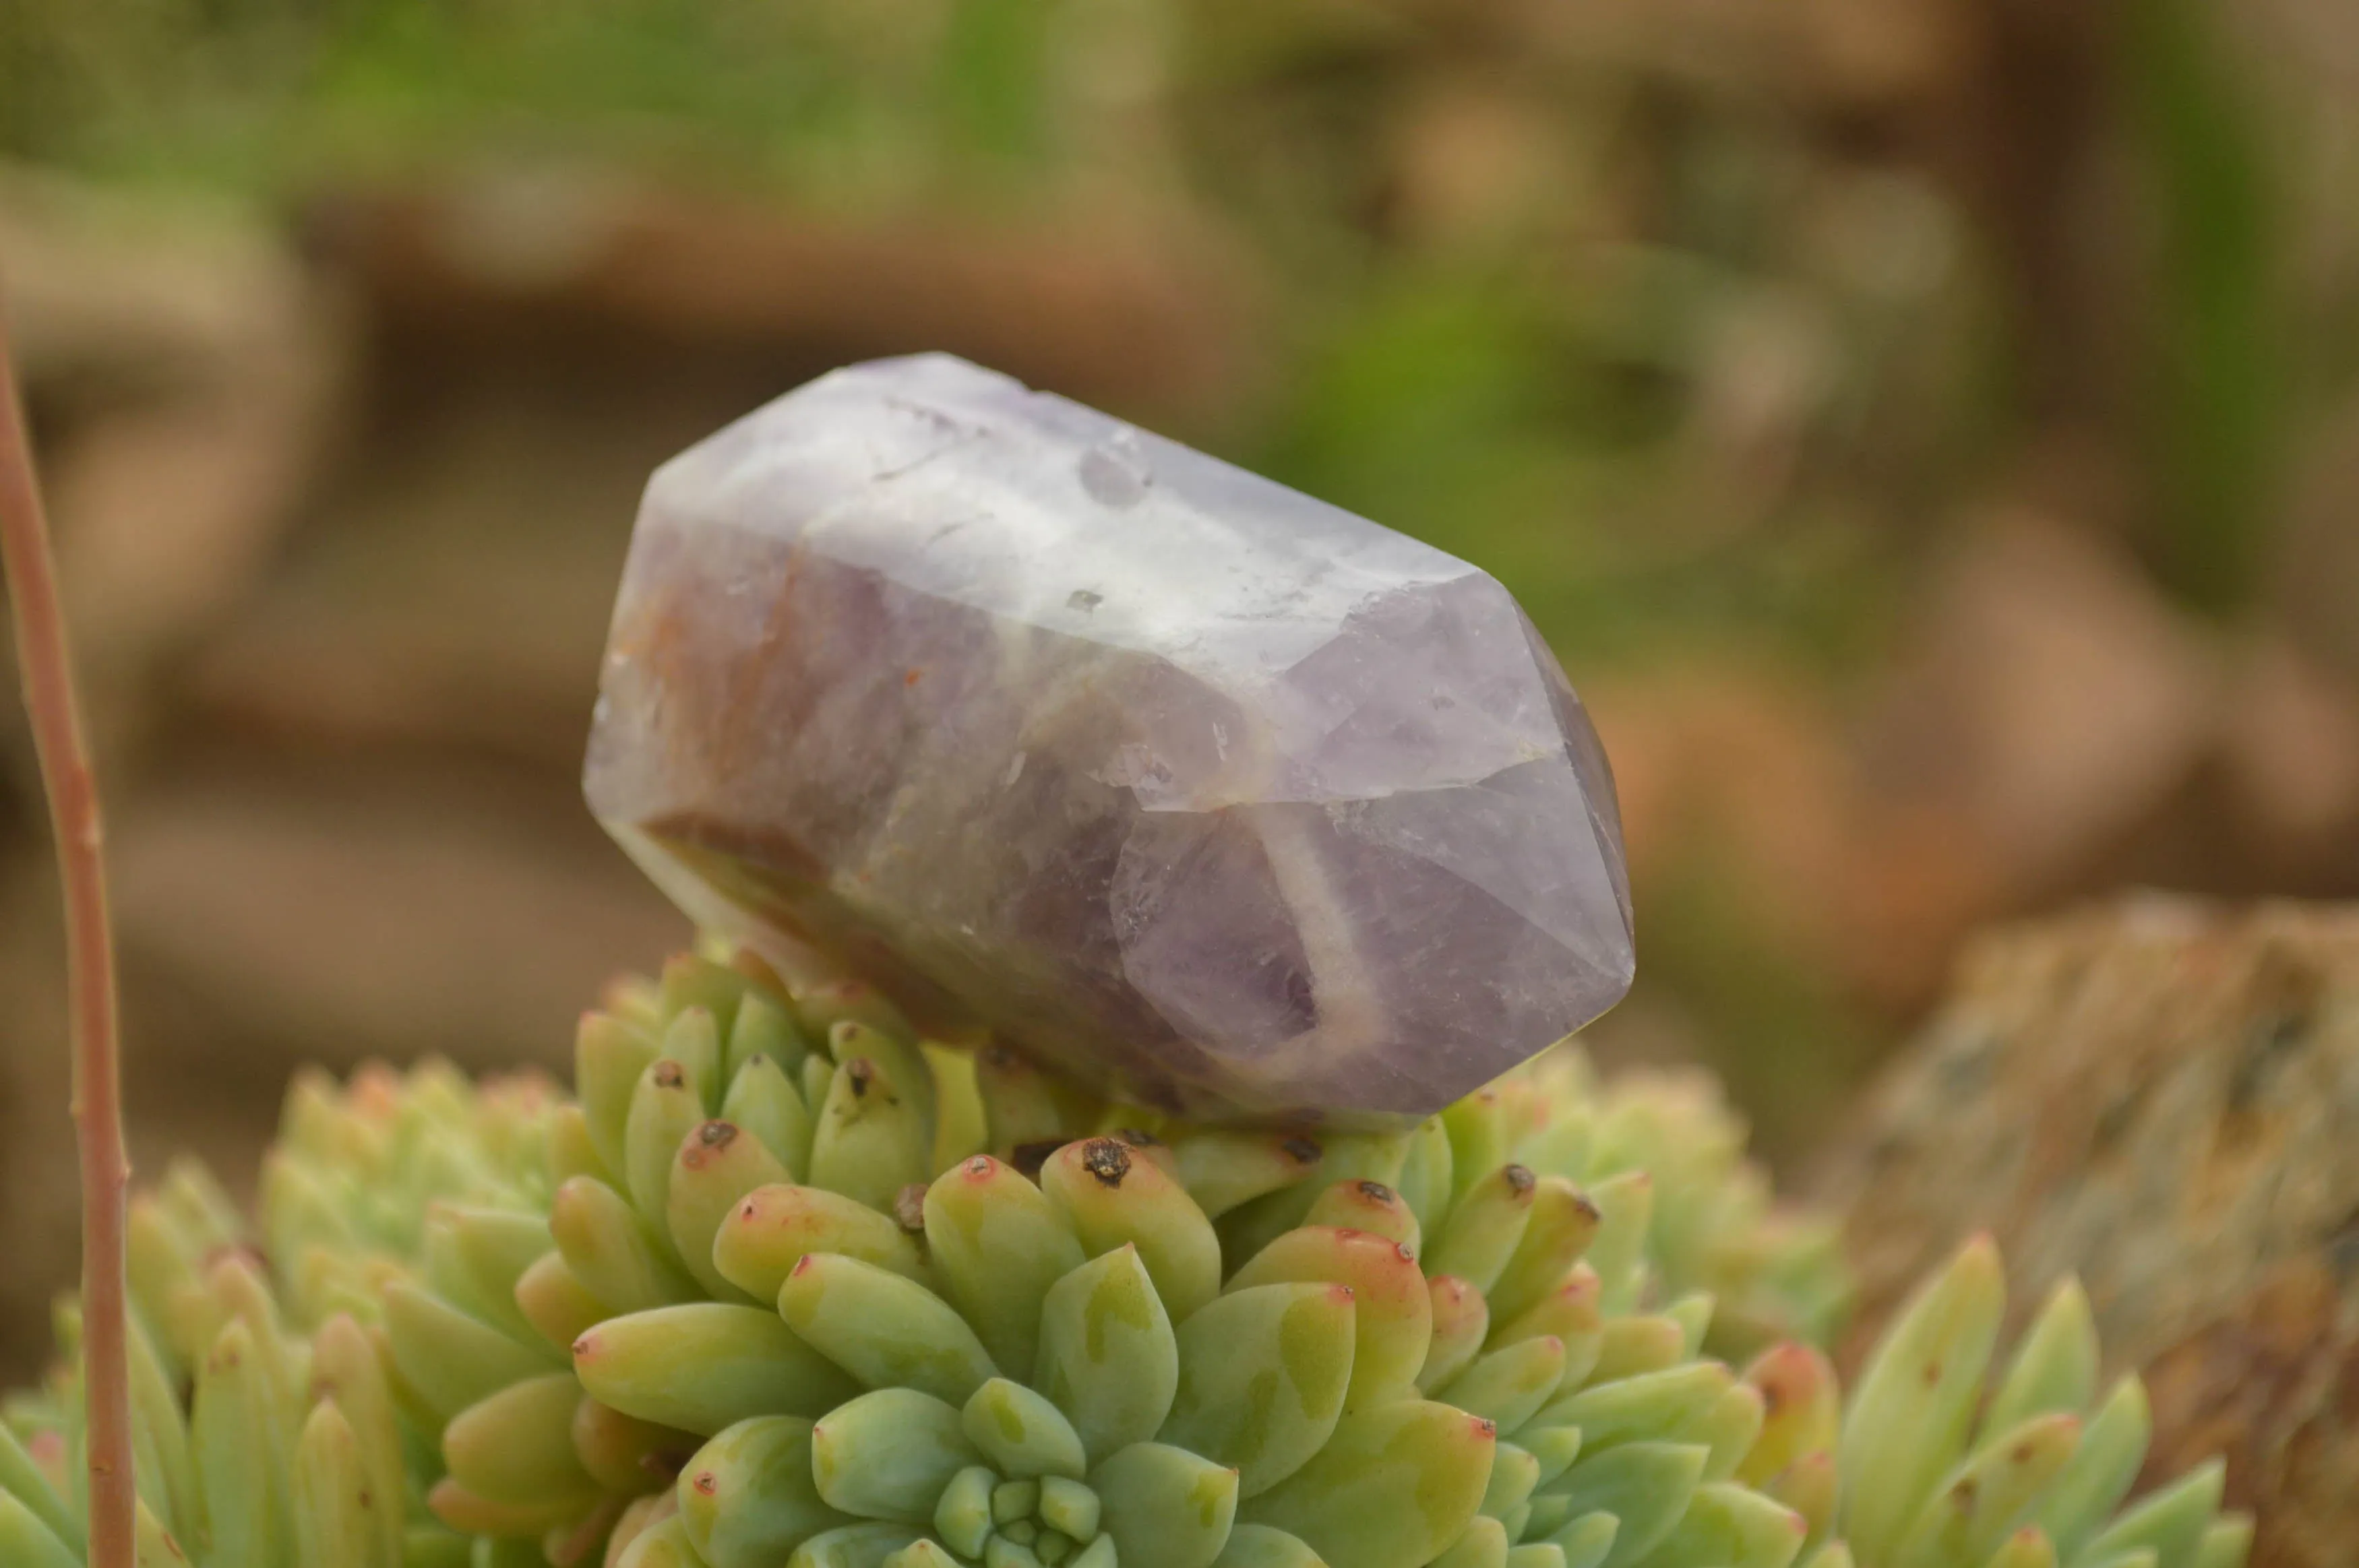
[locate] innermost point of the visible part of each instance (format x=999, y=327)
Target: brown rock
x=2157, y=1095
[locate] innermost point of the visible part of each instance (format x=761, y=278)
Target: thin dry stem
x=47, y=666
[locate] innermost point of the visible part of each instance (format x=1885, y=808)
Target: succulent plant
x=1942, y=1466
x=367, y=1179
x=784, y=1286
x=273, y=1430
x=1775, y=1272
x=923, y=1242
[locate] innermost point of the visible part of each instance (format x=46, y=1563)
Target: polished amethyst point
x=1222, y=799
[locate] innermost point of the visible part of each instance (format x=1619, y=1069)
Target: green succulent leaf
x=1633, y=1346
x=1981, y=1504
x=1643, y=1487
x=1515, y=1476
x=963, y=1516
x=1343, y=1157
x=1164, y=1507
x=883, y=1328
x=1509, y=1385
x=609, y=1056
x=716, y=1165
x=2055, y=1367
x=1110, y=1199
x=705, y=1365
x=234, y=1404
x=166, y=1476
x=335, y=1514
x=2026, y=1548
x=1642, y=1408
x=1259, y=1546
x=870, y=1139
x=1224, y=1170
x=1483, y=1544
x=25, y=1540
x=1392, y=1488
x=886, y=1039
x=1625, y=1207
x=613, y=1251
x=1802, y=1409
x=772, y=1228
x=665, y=1545
x=557, y=1304
x=1479, y=1138
x=1107, y=1356
x=852, y=1546
x=2227, y=1543
x=1367, y=1206
x=764, y=1032
x=1424, y=1183
x=1728, y=1429
x=496, y=1247
x=1071, y=1508
x=748, y=1498
x=922, y=1554
x=1462, y=1322
x=2169, y=1523
x=1553, y=1447
x=1393, y=1305
x=21, y=1479
x=1731, y=1525
x=666, y=1108
x=516, y=1445
x=1562, y=1225
x=998, y=1246
x=1908, y=1420
x=1485, y=1227
x=889, y=1453
x=2100, y=1472
x=1263, y=1376
x=622, y=1453
x=1023, y=1433
x=449, y=1359
x=764, y=1101
x=1587, y=1541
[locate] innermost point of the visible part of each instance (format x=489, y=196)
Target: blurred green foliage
x=1620, y=306
x=2217, y=412
x=1532, y=375
x=866, y=104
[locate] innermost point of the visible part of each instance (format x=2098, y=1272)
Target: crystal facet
x=1223, y=799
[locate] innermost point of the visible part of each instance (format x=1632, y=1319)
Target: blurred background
x=1928, y=429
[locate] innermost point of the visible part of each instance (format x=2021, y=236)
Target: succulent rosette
x=1056, y=1373
x=271, y=1429
x=1945, y=1466
x=766, y=1295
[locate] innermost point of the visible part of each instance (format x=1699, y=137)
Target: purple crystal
x=1223, y=799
